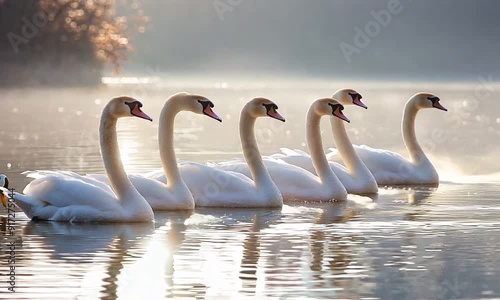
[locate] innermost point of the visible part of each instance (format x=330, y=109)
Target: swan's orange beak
x=209, y=112
x=275, y=115
x=439, y=106
x=339, y=114
x=136, y=111
x=4, y=199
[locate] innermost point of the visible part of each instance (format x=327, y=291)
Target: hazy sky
x=424, y=39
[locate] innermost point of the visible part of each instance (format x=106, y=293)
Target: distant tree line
x=64, y=42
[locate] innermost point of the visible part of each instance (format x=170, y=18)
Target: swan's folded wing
x=62, y=189
x=380, y=159
x=101, y=183
x=277, y=155
x=288, y=151
x=199, y=177
x=334, y=155
x=304, y=162
x=227, y=163
x=149, y=188
x=302, y=152
x=212, y=164
x=103, y=178
x=237, y=167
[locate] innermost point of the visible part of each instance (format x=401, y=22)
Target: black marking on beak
x=337, y=109
x=433, y=99
x=205, y=103
x=354, y=95
x=436, y=104
x=335, y=106
x=135, y=110
x=207, y=106
x=269, y=106
x=133, y=104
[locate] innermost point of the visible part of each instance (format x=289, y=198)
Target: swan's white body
x=295, y=183
x=70, y=197
x=356, y=177
x=158, y=195
x=215, y=187
x=390, y=168
x=174, y=195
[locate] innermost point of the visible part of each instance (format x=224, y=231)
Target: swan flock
x=250, y=181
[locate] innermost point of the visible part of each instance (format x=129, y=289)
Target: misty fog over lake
x=406, y=242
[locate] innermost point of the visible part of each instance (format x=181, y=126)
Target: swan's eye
x=433, y=99
x=131, y=105
x=436, y=104
x=355, y=95
x=206, y=103
x=269, y=106
x=134, y=104
x=336, y=106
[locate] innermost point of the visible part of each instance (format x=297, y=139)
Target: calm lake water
x=407, y=243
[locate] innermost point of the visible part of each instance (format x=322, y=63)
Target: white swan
x=356, y=177
x=67, y=196
x=215, y=187
x=295, y=183
x=174, y=195
x=390, y=168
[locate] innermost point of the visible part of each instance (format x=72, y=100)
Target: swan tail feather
x=277, y=156
x=288, y=151
x=301, y=152
x=212, y=164
x=27, y=204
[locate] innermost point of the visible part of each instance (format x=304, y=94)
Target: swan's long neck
x=166, y=142
x=111, y=157
x=409, y=137
x=315, y=145
x=251, y=151
x=344, y=146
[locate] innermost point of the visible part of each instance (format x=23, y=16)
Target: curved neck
x=409, y=137
x=166, y=143
x=111, y=156
x=344, y=145
x=315, y=145
x=251, y=151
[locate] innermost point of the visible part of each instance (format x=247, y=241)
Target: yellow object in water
x=4, y=182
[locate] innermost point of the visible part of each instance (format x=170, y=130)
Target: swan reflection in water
x=87, y=247
x=129, y=268
x=173, y=235
x=261, y=250
x=333, y=250
x=252, y=246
